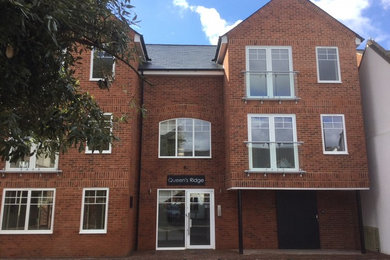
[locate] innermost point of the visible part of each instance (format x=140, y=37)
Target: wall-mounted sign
x=186, y=180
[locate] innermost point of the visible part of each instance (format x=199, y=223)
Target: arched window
x=184, y=138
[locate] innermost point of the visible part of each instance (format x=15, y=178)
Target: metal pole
x=360, y=220
x=240, y=241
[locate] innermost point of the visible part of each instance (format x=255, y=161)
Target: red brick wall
x=117, y=171
x=297, y=23
x=175, y=97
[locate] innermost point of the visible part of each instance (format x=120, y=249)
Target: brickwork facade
x=117, y=171
x=217, y=99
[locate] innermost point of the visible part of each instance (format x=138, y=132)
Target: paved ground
x=257, y=254
x=248, y=254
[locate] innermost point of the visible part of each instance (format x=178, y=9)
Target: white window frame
x=32, y=163
x=94, y=231
x=323, y=136
x=193, y=144
x=26, y=231
x=91, y=68
x=89, y=151
x=273, y=161
x=338, y=65
x=269, y=72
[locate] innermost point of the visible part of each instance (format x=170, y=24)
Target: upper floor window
x=185, y=138
x=27, y=211
x=102, y=65
x=106, y=147
x=35, y=162
x=334, y=139
x=328, y=66
x=272, y=142
x=269, y=72
x=94, y=210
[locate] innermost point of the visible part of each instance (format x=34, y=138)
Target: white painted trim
x=88, y=151
x=276, y=188
x=323, y=136
x=185, y=72
x=193, y=140
x=91, y=68
x=268, y=53
x=273, y=161
x=187, y=211
x=338, y=65
x=94, y=231
x=26, y=231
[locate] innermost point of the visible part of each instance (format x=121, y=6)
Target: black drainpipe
x=239, y=211
x=139, y=160
x=360, y=220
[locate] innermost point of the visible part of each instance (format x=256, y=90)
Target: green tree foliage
x=40, y=45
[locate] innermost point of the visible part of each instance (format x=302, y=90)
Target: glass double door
x=185, y=219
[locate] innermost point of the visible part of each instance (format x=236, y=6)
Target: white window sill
x=96, y=79
x=272, y=98
x=38, y=170
x=329, y=82
x=336, y=153
x=97, y=152
x=93, y=231
x=184, y=157
x=271, y=171
x=26, y=232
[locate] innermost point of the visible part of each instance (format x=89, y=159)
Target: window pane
x=44, y=161
x=333, y=133
x=14, y=210
x=40, y=216
x=94, y=216
x=24, y=164
x=328, y=64
x=258, y=84
x=285, y=155
x=102, y=64
x=260, y=129
x=171, y=219
x=184, y=137
x=282, y=84
x=167, y=138
x=261, y=156
x=202, y=138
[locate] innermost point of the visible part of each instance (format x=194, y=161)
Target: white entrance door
x=185, y=219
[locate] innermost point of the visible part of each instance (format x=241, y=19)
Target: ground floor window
x=94, y=210
x=185, y=219
x=27, y=211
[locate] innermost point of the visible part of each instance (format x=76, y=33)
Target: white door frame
x=186, y=224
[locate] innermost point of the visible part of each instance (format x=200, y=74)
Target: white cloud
x=350, y=12
x=385, y=4
x=212, y=23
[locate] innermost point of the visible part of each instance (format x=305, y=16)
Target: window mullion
x=33, y=158
x=27, y=210
x=193, y=137
x=176, y=136
x=272, y=142
x=269, y=73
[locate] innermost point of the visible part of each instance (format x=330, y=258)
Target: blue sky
x=202, y=21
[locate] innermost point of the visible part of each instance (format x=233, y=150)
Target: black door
x=297, y=220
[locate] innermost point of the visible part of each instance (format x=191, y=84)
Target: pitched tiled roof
x=180, y=57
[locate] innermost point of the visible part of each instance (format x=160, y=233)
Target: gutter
x=139, y=163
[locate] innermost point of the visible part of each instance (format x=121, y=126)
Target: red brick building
x=257, y=142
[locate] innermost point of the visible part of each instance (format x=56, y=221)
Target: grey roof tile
x=180, y=57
